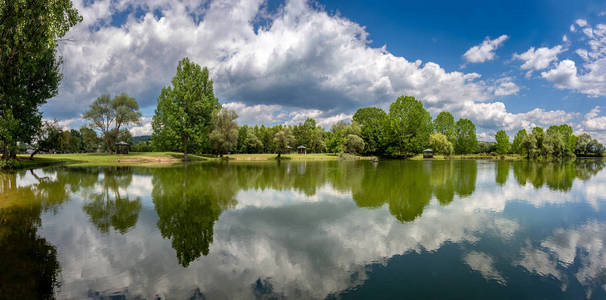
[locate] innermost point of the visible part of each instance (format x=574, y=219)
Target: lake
x=306, y=230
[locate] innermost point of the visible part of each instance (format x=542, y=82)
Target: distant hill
x=142, y=138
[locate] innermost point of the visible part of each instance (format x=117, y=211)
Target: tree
x=110, y=115
x=372, y=122
x=502, y=139
x=517, y=141
x=581, y=147
x=353, y=144
x=47, y=138
x=440, y=144
x=283, y=139
x=465, y=133
x=225, y=131
x=409, y=126
x=445, y=124
x=183, y=117
x=29, y=69
x=90, y=141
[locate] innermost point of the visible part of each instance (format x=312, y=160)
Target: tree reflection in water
x=108, y=207
x=28, y=262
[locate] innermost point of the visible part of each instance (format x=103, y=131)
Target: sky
x=502, y=64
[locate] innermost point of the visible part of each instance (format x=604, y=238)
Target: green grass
x=470, y=156
x=295, y=156
x=104, y=159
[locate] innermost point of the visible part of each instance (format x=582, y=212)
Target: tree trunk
x=34, y=153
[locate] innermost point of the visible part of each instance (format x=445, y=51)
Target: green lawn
x=470, y=156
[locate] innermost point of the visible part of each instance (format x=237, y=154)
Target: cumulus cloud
x=588, y=78
x=495, y=115
x=581, y=22
x=295, y=58
x=271, y=67
x=538, y=59
x=484, y=51
x=145, y=128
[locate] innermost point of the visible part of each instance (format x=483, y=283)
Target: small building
x=122, y=148
x=302, y=150
x=427, y=153
x=288, y=149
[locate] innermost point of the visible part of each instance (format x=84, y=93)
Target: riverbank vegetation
x=189, y=118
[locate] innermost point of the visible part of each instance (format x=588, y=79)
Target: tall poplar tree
x=183, y=117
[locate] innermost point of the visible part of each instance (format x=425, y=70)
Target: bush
x=10, y=164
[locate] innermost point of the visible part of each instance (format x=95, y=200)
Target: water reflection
x=188, y=202
x=106, y=206
x=304, y=230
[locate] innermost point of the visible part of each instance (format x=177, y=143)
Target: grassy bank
x=104, y=159
x=295, y=156
x=160, y=159
x=470, y=156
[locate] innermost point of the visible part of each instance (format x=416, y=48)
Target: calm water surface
x=306, y=230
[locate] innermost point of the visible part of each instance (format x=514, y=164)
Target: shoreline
x=159, y=159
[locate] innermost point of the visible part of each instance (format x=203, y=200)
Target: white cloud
x=572, y=28
x=145, y=128
x=303, y=59
x=485, y=51
x=581, y=22
x=538, y=59
x=593, y=121
x=589, y=78
x=495, y=115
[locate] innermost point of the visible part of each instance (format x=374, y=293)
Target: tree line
x=189, y=119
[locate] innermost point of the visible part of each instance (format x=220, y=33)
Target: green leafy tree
x=29, y=67
x=445, y=124
x=224, y=135
x=283, y=139
x=353, y=144
x=440, y=144
x=465, y=133
x=517, y=141
x=48, y=138
x=183, y=117
x=110, y=115
x=581, y=147
x=372, y=121
x=90, y=141
x=409, y=126
x=502, y=139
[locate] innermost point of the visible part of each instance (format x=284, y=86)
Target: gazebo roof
x=122, y=144
x=301, y=147
x=427, y=150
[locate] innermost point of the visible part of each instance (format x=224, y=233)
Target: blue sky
x=502, y=64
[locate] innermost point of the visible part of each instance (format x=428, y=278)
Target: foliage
x=353, y=144
x=283, y=139
x=372, y=122
x=517, y=141
x=29, y=68
x=90, y=141
x=445, y=124
x=48, y=138
x=440, y=144
x=224, y=135
x=408, y=127
x=109, y=115
x=465, y=135
x=183, y=117
x=502, y=139
x=335, y=139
